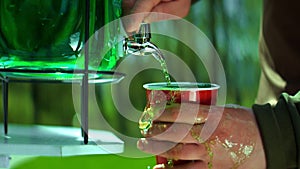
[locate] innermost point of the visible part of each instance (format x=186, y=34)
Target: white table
x=36, y=140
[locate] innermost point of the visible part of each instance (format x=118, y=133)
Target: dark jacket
x=281, y=30
x=280, y=131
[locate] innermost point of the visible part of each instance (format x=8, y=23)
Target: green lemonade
x=49, y=36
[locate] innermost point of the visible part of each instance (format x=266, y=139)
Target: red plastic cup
x=180, y=92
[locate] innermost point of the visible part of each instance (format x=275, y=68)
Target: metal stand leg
x=84, y=109
x=4, y=161
x=85, y=82
x=5, y=104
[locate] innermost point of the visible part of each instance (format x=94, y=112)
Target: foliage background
x=233, y=28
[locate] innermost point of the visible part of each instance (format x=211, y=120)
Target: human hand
x=236, y=142
x=179, y=8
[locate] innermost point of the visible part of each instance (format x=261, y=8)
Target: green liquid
x=145, y=122
x=49, y=36
x=161, y=59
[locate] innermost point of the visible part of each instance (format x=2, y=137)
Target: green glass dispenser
x=62, y=41
x=45, y=39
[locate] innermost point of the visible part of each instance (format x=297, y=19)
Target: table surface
x=37, y=140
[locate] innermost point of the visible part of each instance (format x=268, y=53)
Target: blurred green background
x=233, y=28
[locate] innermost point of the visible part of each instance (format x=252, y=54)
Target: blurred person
x=266, y=136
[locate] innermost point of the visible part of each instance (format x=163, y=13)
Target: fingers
x=189, y=165
x=189, y=113
x=140, y=11
x=172, y=9
x=174, y=132
x=144, y=5
x=175, y=9
x=127, y=6
x=184, y=123
x=171, y=150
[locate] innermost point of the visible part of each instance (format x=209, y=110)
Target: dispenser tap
x=139, y=42
x=143, y=35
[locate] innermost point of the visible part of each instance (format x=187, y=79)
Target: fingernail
x=159, y=166
x=141, y=143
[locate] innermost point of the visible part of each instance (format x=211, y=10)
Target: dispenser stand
x=84, y=106
x=85, y=83
x=5, y=103
x=4, y=161
x=39, y=140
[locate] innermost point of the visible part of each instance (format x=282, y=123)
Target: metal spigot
x=138, y=42
x=143, y=35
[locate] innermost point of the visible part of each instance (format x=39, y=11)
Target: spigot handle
x=144, y=34
x=139, y=40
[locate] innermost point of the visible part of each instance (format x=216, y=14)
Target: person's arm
x=280, y=131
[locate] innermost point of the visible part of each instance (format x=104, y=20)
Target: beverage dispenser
x=58, y=41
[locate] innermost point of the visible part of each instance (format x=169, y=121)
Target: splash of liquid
x=145, y=122
x=238, y=152
x=210, y=154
